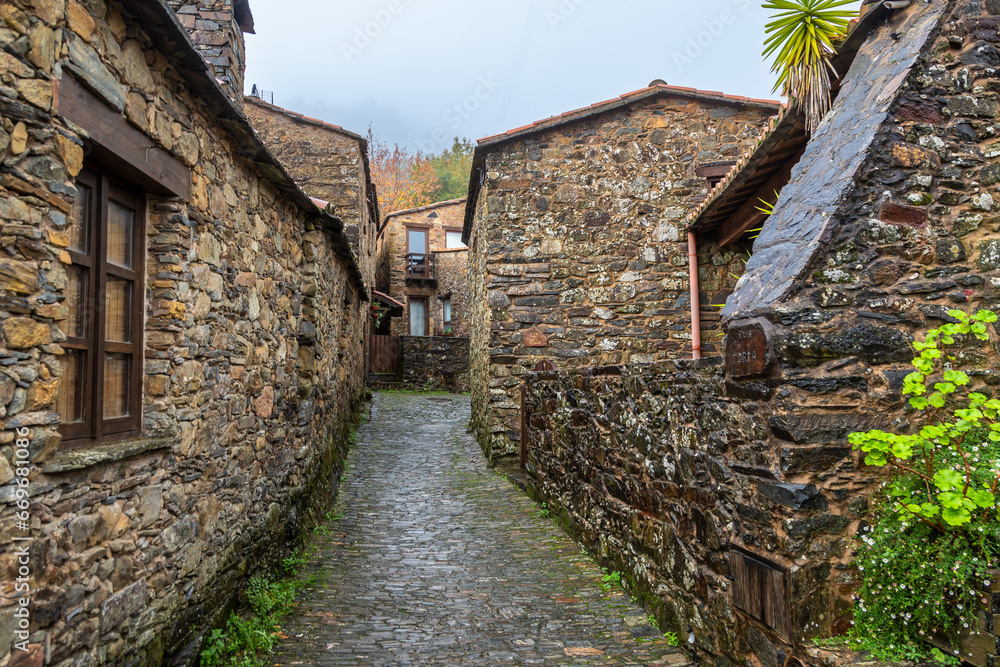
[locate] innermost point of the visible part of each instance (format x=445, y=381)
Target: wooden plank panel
x=121, y=146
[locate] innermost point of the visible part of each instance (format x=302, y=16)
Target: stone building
x=328, y=163
x=578, y=249
x=725, y=488
x=216, y=28
x=427, y=269
x=181, y=335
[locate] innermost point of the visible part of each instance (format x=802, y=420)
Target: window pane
x=447, y=310
x=120, y=221
x=116, y=367
x=69, y=401
x=454, y=240
x=80, y=222
x=75, y=323
x=418, y=242
x=418, y=317
x=117, y=309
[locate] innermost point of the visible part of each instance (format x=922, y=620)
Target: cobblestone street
x=433, y=559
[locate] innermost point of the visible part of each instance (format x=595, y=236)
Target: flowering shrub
x=936, y=531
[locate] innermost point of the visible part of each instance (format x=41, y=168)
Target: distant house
x=427, y=269
x=578, y=248
x=330, y=164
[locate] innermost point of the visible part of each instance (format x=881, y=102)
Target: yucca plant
x=801, y=38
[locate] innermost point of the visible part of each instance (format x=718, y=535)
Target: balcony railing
x=420, y=267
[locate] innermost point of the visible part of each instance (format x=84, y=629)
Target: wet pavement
x=431, y=558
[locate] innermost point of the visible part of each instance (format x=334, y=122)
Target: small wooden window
x=760, y=589
x=453, y=240
x=715, y=173
x=100, y=395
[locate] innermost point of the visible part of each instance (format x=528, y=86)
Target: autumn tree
x=453, y=167
x=403, y=179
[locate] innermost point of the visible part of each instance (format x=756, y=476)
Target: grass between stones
x=247, y=636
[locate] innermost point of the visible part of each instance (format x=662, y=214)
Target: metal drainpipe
x=695, y=297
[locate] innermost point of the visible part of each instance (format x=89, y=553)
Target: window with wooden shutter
x=100, y=394
x=760, y=589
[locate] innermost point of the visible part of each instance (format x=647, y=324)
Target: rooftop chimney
x=216, y=28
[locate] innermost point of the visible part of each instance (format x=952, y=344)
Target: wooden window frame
x=427, y=238
x=454, y=230
x=93, y=428
x=427, y=314
x=446, y=324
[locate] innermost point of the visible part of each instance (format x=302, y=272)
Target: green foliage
x=292, y=564
x=917, y=582
x=246, y=638
x=610, y=579
x=936, y=527
x=453, y=167
x=672, y=639
x=801, y=38
x=946, y=477
x=544, y=512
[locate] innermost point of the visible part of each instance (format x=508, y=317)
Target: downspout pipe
x=695, y=296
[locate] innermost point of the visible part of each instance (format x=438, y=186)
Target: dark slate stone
x=822, y=428
x=984, y=55
x=926, y=286
x=794, y=496
x=795, y=460
x=820, y=182
x=826, y=524
x=950, y=250
x=871, y=343
x=823, y=385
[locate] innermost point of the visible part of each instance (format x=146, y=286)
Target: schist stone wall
x=435, y=362
x=450, y=272
x=579, y=256
x=328, y=163
x=253, y=311
x=698, y=478
x=216, y=28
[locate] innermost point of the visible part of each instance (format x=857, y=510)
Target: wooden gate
x=384, y=355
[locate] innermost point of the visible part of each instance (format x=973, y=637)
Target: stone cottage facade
x=329, y=164
x=180, y=337
x=427, y=269
x=578, y=250
x=725, y=488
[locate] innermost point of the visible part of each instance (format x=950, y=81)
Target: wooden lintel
x=132, y=155
x=748, y=216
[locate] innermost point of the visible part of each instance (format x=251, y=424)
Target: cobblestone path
x=433, y=559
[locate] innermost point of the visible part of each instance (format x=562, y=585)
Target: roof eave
x=169, y=36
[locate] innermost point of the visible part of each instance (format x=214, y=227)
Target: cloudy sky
x=423, y=71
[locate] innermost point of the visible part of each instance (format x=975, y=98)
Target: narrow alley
x=433, y=559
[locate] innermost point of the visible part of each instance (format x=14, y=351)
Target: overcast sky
x=424, y=71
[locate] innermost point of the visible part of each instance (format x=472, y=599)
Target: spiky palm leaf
x=801, y=37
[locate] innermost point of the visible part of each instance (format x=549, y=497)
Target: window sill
x=80, y=459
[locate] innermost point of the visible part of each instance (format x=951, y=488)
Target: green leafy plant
x=801, y=38
x=946, y=479
x=936, y=529
x=610, y=579
x=672, y=639
x=544, y=512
